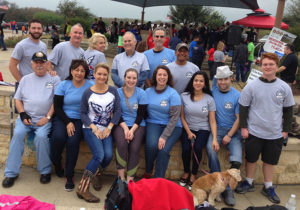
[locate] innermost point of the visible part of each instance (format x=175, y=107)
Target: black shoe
x=270, y=194
x=4, y=49
x=69, y=184
x=45, y=178
x=59, y=171
x=244, y=187
x=9, y=181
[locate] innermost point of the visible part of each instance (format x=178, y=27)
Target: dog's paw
x=196, y=203
x=218, y=198
x=211, y=202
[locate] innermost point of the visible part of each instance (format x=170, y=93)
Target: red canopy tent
x=259, y=19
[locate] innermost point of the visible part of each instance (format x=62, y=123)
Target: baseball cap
x=181, y=45
x=39, y=56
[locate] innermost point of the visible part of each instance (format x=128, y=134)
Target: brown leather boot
x=84, y=186
x=97, y=184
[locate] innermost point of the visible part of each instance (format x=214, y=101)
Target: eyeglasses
x=157, y=36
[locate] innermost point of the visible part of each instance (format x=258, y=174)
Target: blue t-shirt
x=227, y=105
x=159, y=58
x=72, y=97
x=159, y=105
x=129, y=115
x=192, y=45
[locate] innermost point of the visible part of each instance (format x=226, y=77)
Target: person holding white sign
x=265, y=120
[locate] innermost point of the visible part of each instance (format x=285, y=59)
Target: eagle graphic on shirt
x=102, y=114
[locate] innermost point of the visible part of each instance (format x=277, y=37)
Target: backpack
x=118, y=196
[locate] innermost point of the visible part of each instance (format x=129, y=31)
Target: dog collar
x=223, y=180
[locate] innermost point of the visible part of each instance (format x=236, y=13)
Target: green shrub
x=13, y=40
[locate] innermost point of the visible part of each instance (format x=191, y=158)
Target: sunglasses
x=157, y=36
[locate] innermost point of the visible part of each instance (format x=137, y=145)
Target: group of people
x=158, y=96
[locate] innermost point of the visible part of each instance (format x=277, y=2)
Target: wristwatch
x=48, y=117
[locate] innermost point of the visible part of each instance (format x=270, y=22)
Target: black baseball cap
x=39, y=56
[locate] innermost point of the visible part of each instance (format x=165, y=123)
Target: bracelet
x=228, y=135
x=109, y=127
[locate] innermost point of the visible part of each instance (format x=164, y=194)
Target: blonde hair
x=220, y=46
x=104, y=66
x=94, y=39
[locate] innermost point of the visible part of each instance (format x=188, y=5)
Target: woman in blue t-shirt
x=129, y=134
x=163, y=123
x=66, y=129
x=198, y=118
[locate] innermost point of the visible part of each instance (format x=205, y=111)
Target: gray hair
x=159, y=29
x=78, y=25
x=130, y=33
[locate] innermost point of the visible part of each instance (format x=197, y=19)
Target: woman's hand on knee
x=161, y=143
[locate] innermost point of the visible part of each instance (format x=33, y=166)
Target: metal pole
x=279, y=13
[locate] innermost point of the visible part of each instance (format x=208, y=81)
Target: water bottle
x=291, y=203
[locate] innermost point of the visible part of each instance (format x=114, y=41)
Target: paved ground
x=28, y=184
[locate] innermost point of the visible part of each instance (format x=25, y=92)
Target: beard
x=35, y=35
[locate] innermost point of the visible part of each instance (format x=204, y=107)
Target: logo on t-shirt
x=280, y=95
x=134, y=63
x=164, y=103
x=49, y=85
x=228, y=105
x=204, y=109
x=135, y=106
x=164, y=61
x=189, y=75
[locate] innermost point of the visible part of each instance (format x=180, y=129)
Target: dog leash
x=195, y=156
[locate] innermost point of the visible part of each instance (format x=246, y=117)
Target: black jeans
x=200, y=143
x=60, y=139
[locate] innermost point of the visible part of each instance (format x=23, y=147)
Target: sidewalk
x=28, y=184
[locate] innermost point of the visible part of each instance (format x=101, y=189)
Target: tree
x=49, y=18
x=292, y=17
x=195, y=14
x=71, y=9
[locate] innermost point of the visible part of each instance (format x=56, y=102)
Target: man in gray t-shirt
x=266, y=111
x=63, y=53
x=182, y=70
x=33, y=101
x=25, y=49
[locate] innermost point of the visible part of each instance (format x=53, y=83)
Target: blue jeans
x=16, y=148
x=60, y=139
x=101, y=149
x=199, y=145
x=234, y=146
x=152, y=152
x=248, y=66
x=240, y=69
x=2, y=43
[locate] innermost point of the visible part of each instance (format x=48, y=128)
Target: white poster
x=277, y=40
x=254, y=74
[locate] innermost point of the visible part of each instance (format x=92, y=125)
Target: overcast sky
x=108, y=8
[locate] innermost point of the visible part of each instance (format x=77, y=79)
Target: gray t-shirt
x=266, y=102
x=62, y=56
x=24, y=51
x=93, y=57
x=218, y=56
x=37, y=93
x=137, y=61
x=182, y=74
x=196, y=112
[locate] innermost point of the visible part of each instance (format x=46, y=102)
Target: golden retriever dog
x=212, y=185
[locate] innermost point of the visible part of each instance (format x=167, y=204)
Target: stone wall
x=286, y=172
